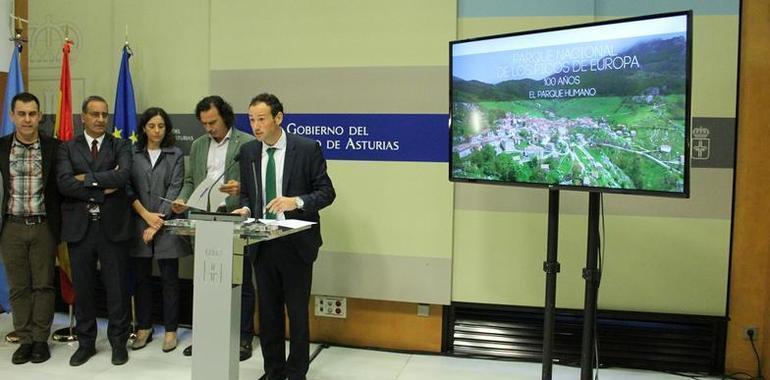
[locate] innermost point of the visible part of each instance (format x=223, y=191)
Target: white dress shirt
x=216, y=160
x=90, y=140
x=279, y=155
x=215, y=163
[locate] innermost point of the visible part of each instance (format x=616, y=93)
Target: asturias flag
x=125, y=105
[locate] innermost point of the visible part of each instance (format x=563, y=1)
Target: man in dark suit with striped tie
x=93, y=170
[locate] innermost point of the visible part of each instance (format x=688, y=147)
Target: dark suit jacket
x=304, y=175
x=48, y=148
x=111, y=170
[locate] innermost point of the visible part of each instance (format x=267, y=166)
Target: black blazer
x=52, y=199
x=304, y=175
x=111, y=170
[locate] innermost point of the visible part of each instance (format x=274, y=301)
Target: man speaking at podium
x=283, y=177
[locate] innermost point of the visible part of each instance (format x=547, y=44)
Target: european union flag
x=124, y=122
x=15, y=85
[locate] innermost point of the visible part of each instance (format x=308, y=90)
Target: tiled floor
x=333, y=363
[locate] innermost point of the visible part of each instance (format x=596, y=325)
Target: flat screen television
x=601, y=107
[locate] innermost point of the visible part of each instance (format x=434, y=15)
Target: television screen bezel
x=685, y=193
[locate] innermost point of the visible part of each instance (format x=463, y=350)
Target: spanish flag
x=63, y=130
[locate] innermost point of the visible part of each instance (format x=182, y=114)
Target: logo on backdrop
x=701, y=143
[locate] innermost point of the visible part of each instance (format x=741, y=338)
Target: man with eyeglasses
x=93, y=170
x=30, y=228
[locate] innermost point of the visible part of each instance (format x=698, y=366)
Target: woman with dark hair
x=157, y=172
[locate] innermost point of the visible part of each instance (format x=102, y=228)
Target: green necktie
x=270, y=181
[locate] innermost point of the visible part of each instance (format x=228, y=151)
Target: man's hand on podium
x=243, y=211
x=282, y=204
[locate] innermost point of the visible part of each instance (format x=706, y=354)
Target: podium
x=218, y=263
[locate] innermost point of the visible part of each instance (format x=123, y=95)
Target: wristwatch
x=299, y=202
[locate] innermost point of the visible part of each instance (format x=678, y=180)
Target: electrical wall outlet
x=423, y=310
x=750, y=333
x=329, y=306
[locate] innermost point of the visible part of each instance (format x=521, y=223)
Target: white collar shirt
x=99, y=140
x=215, y=163
x=279, y=156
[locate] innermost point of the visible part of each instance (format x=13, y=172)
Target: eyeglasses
x=95, y=114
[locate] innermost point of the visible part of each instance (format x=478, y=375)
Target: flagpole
x=124, y=126
x=125, y=43
x=63, y=130
x=14, y=74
